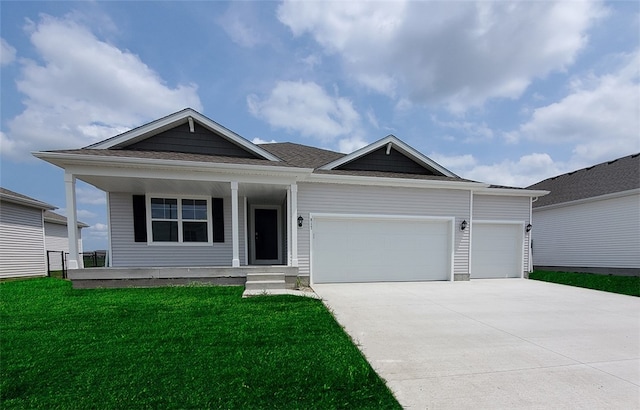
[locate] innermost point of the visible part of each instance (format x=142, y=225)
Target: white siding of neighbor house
x=125, y=252
x=601, y=233
x=504, y=208
x=356, y=199
x=21, y=241
x=56, y=239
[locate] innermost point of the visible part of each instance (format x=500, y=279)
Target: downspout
x=470, y=231
x=109, y=256
x=530, y=251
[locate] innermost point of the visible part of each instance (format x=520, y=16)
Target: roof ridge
x=300, y=145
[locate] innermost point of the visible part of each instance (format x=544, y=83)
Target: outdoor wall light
x=528, y=228
x=300, y=220
x=463, y=225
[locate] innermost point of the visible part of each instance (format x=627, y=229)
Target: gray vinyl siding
x=603, y=233
x=504, y=208
x=356, y=199
x=57, y=239
x=128, y=253
x=21, y=241
x=201, y=141
x=378, y=160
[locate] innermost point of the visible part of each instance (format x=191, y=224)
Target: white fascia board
x=26, y=202
x=510, y=192
x=178, y=118
x=591, y=199
x=396, y=143
x=395, y=182
x=76, y=161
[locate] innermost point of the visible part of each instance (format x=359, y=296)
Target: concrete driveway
x=495, y=343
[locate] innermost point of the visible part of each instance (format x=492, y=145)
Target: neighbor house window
x=180, y=220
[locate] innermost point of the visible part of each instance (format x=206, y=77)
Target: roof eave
x=64, y=160
x=393, y=181
x=611, y=195
x=58, y=222
x=27, y=202
x=511, y=192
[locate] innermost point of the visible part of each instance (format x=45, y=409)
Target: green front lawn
x=626, y=285
x=190, y=347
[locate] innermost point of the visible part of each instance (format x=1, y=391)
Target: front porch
x=167, y=276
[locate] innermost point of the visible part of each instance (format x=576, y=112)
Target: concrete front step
x=258, y=277
x=265, y=284
x=262, y=281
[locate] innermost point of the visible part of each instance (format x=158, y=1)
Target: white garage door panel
x=374, y=250
x=496, y=251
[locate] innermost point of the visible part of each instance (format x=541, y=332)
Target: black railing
x=53, y=258
x=57, y=262
x=95, y=259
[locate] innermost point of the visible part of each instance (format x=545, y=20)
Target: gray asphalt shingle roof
x=301, y=155
x=50, y=216
x=622, y=174
x=14, y=196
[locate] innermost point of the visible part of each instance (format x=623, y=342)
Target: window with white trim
x=180, y=220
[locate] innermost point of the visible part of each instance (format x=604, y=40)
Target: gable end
x=200, y=141
x=395, y=161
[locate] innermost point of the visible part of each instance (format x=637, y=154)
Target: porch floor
x=117, y=277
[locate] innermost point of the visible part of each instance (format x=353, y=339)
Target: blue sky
x=501, y=92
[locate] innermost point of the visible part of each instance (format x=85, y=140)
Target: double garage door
x=380, y=249
x=395, y=249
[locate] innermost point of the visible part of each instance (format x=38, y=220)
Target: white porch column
x=293, y=220
x=72, y=221
x=235, y=262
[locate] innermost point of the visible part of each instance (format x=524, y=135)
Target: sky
x=507, y=93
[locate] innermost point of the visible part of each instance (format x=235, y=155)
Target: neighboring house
x=22, y=249
x=590, y=222
x=57, y=238
x=28, y=228
x=185, y=192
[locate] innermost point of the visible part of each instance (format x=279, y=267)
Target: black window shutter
x=139, y=218
x=217, y=217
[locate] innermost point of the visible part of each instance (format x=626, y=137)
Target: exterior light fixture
x=528, y=228
x=300, y=220
x=463, y=225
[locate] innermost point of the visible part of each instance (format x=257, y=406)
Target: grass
x=193, y=347
x=626, y=285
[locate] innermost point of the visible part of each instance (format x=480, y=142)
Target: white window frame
x=179, y=199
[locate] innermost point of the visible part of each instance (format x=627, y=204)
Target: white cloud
x=241, y=25
x=7, y=53
x=456, y=53
x=258, y=140
x=349, y=145
x=527, y=170
x=306, y=108
x=311, y=60
x=473, y=131
x=86, y=214
x=90, y=195
x=82, y=214
x=600, y=117
x=98, y=231
x=84, y=90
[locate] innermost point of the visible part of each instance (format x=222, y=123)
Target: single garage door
x=496, y=250
x=380, y=249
